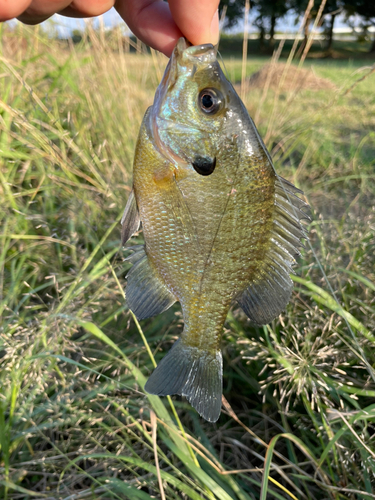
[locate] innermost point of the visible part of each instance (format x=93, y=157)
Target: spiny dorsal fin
x=146, y=294
x=130, y=220
x=191, y=372
x=269, y=291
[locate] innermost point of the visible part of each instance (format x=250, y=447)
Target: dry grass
x=284, y=77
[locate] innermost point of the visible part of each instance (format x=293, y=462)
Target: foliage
x=361, y=7
x=234, y=11
x=299, y=415
x=269, y=12
x=364, y=9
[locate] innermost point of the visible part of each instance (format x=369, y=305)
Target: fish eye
x=210, y=101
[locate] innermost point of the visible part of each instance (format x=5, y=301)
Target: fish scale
x=219, y=225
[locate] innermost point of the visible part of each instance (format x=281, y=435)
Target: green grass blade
x=128, y=490
x=324, y=298
x=155, y=401
x=269, y=455
x=11, y=486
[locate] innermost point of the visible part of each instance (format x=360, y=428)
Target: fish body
x=219, y=224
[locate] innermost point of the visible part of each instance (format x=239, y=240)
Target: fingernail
x=214, y=29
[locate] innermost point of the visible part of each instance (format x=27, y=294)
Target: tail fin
x=191, y=372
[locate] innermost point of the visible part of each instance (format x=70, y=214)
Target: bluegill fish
x=219, y=225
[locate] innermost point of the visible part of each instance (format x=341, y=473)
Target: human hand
x=157, y=23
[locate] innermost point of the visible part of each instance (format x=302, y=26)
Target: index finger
x=197, y=19
x=161, y=24
x=151, y=21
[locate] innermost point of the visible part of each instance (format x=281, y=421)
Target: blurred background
x=266, y=21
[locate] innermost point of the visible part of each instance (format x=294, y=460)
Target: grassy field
x=299, y=415
x=231, y=45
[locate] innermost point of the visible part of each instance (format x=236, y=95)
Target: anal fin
x=191, y=372
x=146, y=294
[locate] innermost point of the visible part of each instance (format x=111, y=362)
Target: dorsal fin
x=269, y=291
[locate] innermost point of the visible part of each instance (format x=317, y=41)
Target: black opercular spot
x=204, y=165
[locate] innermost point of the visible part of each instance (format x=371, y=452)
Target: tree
x=365, y=9
x=330, y=30
x=269, y=11
x=331, y=9
x=234, y=11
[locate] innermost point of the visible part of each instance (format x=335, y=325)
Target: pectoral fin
x=146, y=294
x=270, y=289
x=130, y=220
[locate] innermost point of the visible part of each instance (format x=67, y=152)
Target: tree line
x=268, y=12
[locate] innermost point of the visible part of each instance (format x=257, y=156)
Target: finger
x=12, y=9
x=197, y=19
x=40, y=10
x=151, y=21
x=85, y=8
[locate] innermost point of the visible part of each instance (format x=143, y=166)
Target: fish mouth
x=181, y=45
x=187, y=53
x=184, y=55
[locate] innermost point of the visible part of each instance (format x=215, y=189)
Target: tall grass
x=298, y=416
